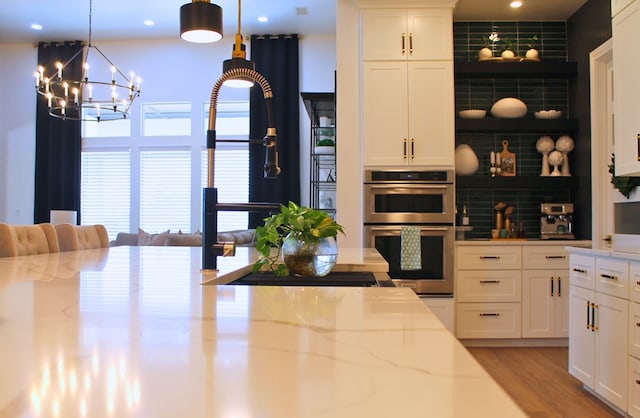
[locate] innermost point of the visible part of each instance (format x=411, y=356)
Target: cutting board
x=507, y=160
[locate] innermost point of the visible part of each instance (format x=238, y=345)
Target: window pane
x=166, y=119
x=165, y=190
x=232, y=119
x=232, y=180
x=115, y=128
x=105, y=190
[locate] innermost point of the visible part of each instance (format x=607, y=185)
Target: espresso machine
x=556, y=221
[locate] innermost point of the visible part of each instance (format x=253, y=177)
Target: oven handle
x=422, y=228
x=408, y=186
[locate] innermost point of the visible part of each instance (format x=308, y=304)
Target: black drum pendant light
x=201, y=22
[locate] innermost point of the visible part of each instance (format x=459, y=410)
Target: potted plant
x=485, y=52
x=532, y=52
x=325, y=146
x=507, y=50
x=303, y=237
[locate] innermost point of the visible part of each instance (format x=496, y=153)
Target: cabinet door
x=618, y=5
x=431, y=113
x=542, y=309
x=634, y=329
x=562, y=304
x=634, y=387
x=384, y=104
x=430, y=34
x=581, y=337
x=611, y=349
x=384, y=34
x=626, y=90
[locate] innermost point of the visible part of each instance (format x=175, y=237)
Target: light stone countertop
x=532, y=242
x=132, y=332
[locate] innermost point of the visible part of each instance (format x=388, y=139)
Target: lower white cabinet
x=545, y=303
x=598, y=335
x=633, y=408
x=443, y=308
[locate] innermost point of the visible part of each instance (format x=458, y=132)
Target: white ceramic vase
x=466, y=160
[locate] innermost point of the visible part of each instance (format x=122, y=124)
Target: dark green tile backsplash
x=482, y=93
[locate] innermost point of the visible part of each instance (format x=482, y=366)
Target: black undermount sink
x=336, y=279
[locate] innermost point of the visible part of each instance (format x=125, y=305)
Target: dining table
x=144, y=332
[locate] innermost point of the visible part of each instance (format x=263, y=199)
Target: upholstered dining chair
x=81, y=237
x=18, y=240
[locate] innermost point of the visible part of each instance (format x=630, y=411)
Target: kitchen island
x=132, y=332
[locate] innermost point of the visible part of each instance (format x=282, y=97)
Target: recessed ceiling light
x=149, y=22
x=515, y=4
x=36, y=26
x=263, y=19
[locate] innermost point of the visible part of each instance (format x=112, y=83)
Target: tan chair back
x=81, y=237
x=16, y=240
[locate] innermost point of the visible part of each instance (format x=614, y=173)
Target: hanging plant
x=625, y=185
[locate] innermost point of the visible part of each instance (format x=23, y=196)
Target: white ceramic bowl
x=472, y=114
x=548, y=114
x=509, y=108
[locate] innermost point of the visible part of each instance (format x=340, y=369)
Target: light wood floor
x=538, y=381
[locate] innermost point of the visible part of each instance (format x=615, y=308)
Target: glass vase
x=309, y=258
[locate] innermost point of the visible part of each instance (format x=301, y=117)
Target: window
x=152, y=178
x=106, y=189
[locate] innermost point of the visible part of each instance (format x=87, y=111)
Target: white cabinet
x=598, y=332
x=442, y=308
x=618, y=5
x=407, y=34
x=633, y=408
x=408, y=113
x=626, y=89
x=488, y=291
x=545, y=292
x=545, y=303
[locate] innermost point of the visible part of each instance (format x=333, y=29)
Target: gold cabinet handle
x=412, y=149
x=404, y=148
x=608, y=276
x=489, y=257
x=551, y=286
x=490, y=314
x=410, y=43
x=577, y=270
x=403, y=46
x=548, y=257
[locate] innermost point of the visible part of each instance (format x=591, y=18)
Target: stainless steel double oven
x=419, y=198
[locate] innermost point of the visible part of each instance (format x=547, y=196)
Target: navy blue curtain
x=58, y=142
x=276, y=58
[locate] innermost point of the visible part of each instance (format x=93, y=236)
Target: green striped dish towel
x=410, y=252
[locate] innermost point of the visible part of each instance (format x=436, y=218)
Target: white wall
x=171, y=69
x=17, y=132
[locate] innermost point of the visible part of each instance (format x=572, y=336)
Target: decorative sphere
x=555, y=158
x=485, y=53
x=509, y=107
x=565, y=144
x=545, y=144
x=507, y=53
x=532, y=54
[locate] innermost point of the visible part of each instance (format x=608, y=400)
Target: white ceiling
x=123, y=19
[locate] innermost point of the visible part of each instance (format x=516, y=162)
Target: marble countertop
x=132, y=332
x=533, y=242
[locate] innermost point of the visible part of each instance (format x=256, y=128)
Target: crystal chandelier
x=87, y=98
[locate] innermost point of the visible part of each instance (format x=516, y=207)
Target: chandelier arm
x=111, y=63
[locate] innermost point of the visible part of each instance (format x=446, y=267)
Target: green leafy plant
x=507, y=44
x=311, y=225
x=325, y=143
x=624, y=184
x=533, y=42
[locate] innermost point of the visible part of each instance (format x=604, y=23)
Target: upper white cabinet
x=407, y=34
x=408, y=113
x=626, y=89
x=618, y=5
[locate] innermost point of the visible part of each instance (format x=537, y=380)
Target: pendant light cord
x=90, y=12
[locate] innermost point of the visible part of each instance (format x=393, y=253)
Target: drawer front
x=612, y=277
x=634, y=329
x=545, y=258
x=634, y=281
x=633, y=407
x=488, y=286
x=582, y=270
x=488, y=320
x=488, y=257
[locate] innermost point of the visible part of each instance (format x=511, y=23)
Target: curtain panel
x=58, y=141
x=277, y=59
